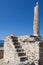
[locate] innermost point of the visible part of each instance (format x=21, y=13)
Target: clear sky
x=16, y=16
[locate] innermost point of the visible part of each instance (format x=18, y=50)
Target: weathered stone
x=24, y=50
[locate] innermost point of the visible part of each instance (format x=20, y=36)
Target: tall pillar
x=36, y=26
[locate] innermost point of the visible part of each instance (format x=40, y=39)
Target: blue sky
x=16, y=16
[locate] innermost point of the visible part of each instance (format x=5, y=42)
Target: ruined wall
x=10, y=54
x=7, y=50
x=41, y=53
x=31, y=47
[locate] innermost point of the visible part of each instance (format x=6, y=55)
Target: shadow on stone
x=33, y=63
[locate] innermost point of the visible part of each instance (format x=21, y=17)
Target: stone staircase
x=20, y=51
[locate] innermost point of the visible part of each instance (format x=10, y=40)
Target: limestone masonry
x=36, y=20
x=27, y=49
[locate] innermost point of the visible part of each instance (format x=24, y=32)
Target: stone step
x=23, y=59
x=13, y=40
x=25, y=63
x=12, y=37
x=18, y=46
x=16, y=43
x=20, y=50
x=21, y=54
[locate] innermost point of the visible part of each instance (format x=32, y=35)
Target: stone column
x=36, y=25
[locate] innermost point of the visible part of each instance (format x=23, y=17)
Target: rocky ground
x=3, y=63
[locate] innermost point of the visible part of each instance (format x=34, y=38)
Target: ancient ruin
x=25, y=50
